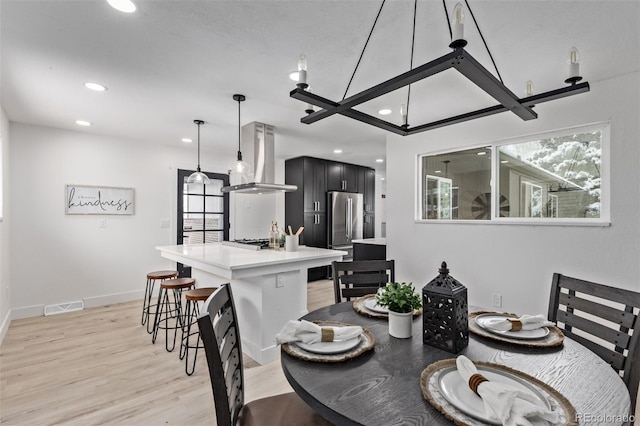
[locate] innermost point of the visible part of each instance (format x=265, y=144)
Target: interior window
x=457, y=185
x=553, y=176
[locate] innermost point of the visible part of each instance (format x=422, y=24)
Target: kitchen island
x=269, y=286
x=370, y=249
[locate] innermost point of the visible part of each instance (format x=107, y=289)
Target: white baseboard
x=27, y=312
x=110, y=299
x=89, y=302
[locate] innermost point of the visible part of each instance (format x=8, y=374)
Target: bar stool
x=152, y=277
x=192, y=311
x=172, y=310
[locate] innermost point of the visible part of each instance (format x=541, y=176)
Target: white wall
x=518, y=261
x=57, y=258
x=5, y=293
x=380, y=206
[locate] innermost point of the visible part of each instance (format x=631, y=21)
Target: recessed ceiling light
x=437, y=171
x=83, y=123
x=504, y=161
x=294, y=75
x=187, y=140
x=126, y=6
x=384, y=111
x=379, y=160
x=95, y=87
x=481, y=153
x=337, y=151
x=381, y=178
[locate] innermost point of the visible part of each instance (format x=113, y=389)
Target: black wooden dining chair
x=360, y=277
x=218, y=326
x=584, y=309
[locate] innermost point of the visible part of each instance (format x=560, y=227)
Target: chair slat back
x=360, y=277
x=602, y=318
x=220, y=335
x=597, y=309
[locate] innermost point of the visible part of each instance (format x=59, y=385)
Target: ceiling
x=174, y=61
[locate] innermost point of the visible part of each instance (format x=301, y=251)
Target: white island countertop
x=232, y=262
x=376, y=241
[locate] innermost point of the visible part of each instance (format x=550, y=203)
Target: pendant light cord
x=479, y=32
x=413, y=42
x=198, y=145
x=483, y=40
x=239, y=152
x=446, y=15
x=363, y=49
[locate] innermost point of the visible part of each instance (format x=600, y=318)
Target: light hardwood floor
x=99, y=367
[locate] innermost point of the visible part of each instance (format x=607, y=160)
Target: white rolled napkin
x=308, y=332
x=503, y=402
x=525, y=322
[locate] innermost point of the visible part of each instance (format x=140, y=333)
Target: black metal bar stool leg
x=169, y=312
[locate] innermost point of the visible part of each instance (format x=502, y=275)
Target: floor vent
x=61, y=308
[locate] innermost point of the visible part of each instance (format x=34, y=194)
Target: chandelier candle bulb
x=403, y=114
x=457, y=29
x=528, y=88
x=574, y=62
x=302, y=71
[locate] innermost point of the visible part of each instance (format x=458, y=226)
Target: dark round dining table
x=382, y=386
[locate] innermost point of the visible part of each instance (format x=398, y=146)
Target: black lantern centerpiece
x=445, y=313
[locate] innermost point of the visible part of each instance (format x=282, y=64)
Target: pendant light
x=198, y=176
x=240, y=172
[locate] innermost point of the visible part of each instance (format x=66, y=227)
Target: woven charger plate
x=431, y=391
x=359, y=307
x=554, y=338
x=367, y=342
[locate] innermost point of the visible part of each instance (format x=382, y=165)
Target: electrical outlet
x=279, y=280
x=496, y=301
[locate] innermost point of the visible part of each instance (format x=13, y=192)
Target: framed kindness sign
x=83, y=199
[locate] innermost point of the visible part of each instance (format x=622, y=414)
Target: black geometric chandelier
x=460, y=60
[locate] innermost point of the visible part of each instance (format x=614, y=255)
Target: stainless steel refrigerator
x=345, y=220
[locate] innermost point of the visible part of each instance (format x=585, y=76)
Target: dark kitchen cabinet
x=308, y=205
x=315, y=185
x=367, y=187
x=315, y=230
x=310, y=175
x=369, y=226
x=342, y=177
x=367, y=251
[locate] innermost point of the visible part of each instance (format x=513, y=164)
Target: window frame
x=605, y=191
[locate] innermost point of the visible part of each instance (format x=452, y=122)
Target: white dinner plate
x=334, y=347
x=372, y=305
x=483, y=319
x=458, y=393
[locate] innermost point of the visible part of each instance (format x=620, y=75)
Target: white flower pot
x=400, y=324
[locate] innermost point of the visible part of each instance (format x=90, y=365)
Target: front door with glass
x=203, y=212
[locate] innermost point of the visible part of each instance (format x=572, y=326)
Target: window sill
x=520, y=221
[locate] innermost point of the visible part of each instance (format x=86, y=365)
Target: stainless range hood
x=259, y=188
x=258, y=151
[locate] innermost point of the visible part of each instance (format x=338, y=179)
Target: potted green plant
x=401, y=300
